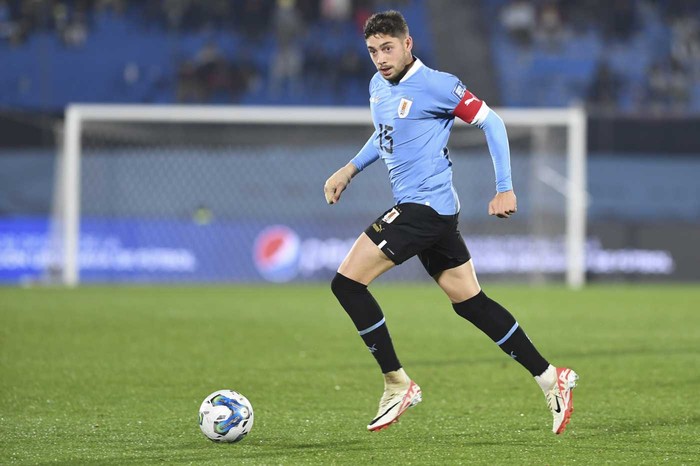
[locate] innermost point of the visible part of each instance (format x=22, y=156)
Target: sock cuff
x=474, y=302
x=341, y=282
x=547, y=378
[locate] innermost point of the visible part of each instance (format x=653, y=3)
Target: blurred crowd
x=673, y=69
x=69, y=20
x=277, y=29
x=20, y=18
x=270, y=49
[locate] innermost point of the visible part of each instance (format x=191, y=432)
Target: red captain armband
x=468, y=107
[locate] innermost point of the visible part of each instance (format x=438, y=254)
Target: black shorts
x=411, y=229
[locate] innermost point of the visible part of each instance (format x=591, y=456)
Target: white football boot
x=397, y=398
x=560, y=398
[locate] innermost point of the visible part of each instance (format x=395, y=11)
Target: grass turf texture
x=116, y=375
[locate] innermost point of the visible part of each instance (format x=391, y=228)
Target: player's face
x=390, y=54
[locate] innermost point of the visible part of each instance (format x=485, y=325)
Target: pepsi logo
x=276, y=253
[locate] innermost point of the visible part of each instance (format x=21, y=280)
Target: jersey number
x=386, y=142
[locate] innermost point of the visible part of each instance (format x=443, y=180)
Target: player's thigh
x=449, y=262
x=459, y=283
x=365, y=261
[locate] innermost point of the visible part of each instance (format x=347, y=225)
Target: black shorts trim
x=410, y=229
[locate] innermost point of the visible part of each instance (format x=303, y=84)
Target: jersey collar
x=417, y=64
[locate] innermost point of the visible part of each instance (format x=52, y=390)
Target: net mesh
x=244, y=202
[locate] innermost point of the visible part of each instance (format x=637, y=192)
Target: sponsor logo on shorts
x=377, y=228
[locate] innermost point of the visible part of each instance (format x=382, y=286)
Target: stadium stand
x=242, y=51
x=630, y=55
x=546, y=53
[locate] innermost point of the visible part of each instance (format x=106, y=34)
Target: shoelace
x=550, y=396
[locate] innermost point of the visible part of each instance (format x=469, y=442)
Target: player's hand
x=503, y=205
x=336, y=184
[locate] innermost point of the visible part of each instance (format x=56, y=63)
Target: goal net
x=234, y=194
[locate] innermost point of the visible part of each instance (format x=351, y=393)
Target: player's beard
x=407, y=66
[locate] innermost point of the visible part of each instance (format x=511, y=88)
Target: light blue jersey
x=412, y=120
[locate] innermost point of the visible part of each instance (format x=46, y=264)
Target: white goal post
x=572, y=184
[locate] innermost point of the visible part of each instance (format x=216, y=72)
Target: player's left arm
x=475, y=112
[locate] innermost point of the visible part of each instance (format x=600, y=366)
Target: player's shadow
x=625, y=427
x=271, y=449
x=496, y=358
x=598, y=353
x=324, y=445
x=649, y=451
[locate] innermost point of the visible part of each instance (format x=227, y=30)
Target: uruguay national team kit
x=412, y=120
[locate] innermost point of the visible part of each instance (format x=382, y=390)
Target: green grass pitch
x=115, y=375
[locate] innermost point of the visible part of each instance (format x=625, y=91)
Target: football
x=226, y=416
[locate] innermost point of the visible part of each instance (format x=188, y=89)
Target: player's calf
x=500, y=325
x=368, y=318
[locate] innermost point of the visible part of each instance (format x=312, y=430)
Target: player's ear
x=408, y=43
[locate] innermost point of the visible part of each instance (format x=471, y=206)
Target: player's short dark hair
x=388, y=23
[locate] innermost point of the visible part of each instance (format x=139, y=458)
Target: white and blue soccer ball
x=226, y=416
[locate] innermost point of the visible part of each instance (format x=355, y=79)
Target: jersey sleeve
x=451, y=97
x=367, y=155
x=497, y=141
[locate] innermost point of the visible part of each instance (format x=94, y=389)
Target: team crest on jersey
x=391, y=215
x=404, y=107
x=459, y=90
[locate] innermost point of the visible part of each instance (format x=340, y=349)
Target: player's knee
x=342, y=286
x=461, y=295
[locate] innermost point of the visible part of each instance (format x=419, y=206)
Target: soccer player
x=413, y=110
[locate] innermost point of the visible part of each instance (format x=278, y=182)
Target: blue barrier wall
x=641, y=209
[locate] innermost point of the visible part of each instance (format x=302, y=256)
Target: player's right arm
x=336, y=184
x=338, y=181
